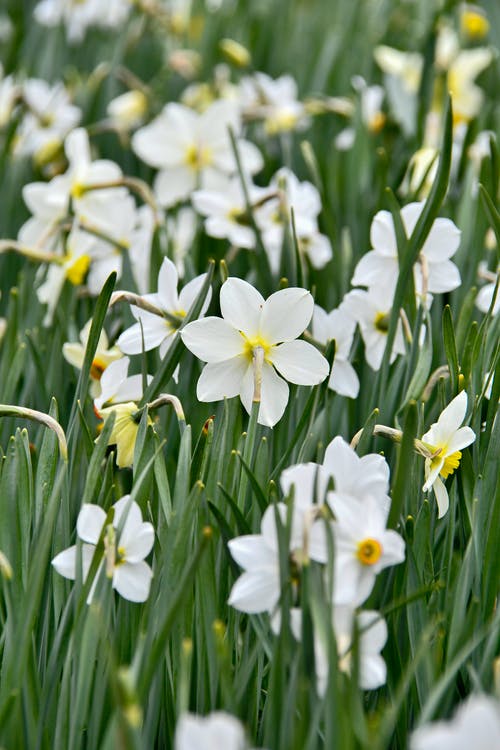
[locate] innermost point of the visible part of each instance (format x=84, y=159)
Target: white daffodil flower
x=50, y=116
x=74, y=353
x=125, y=428
x=249, y=325
x=363, y=546
x=155, y=330
x=381, y=266
x=476, y=724
x=485, y=295
x=124, y=562
x=274, y=218
x=445, y=439
x=217, y=731
x=126, y=112
x=78, y=16
x=258, y=589
x=340, y=326
x=193, y=150
x=372, y=637
x=275, y=101
x=402, y=76
x=226, y=211
x=372, y=310
x=357, y=476
x=372, y=115
x=116, y=387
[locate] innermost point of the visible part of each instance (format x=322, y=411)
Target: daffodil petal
x=300, y=363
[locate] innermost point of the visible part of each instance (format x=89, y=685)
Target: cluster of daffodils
x=77, y=17
x=353, y=518
x=45, y=111
x=455, y=71
x=82, y=223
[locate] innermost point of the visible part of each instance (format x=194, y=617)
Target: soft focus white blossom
x=193, y=150
x=274, y=218
x=275, y=101
x=372, y=310
x=153, y=330
x=380, y=266
x=249, y=325
x=217, y=731
x=78, y=16
x=49, y=116
x=340, y=326
x=125, y=564
x=476, y=724
x=74, y=353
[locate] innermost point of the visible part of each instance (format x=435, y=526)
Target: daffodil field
x=249, y=375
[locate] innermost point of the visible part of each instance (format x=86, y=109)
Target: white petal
x=90, y=523
x=252, y=552
x=300, y=363
x=255, y=592
x=241, y=305
x=137, y=543
x=344, y=379
x=443, y=277
x=212, y=339
x=190, y=292
x=461, y=439
x=442, y=499
x=133, y=581
x=130, y=390
x=286, y=314
x=382, y=235
x=443, y=240
x=65, y=563
x=174, y=184
x=221, y=379
x=274, y=397
x=167, y=286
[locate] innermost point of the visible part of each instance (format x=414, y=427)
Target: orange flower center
x=369, y=551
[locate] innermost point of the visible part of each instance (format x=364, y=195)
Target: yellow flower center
x=251, y=344
x=381, y=322
x=369, y=551
x=77, y=189
x=120, y=556
x=76, y=269
x=377, y=122
x=97, y=368
x=451, y=462
x=198, y=157
x=281, y=122
x=474, y=24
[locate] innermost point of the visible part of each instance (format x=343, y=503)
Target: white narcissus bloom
x=74, y=353
x=78, y=16
x=372, y=310
x=476, y=724
x=338, y=325
x=275, y=101
x=127, y=111
x=445, y=439
x=226, y=212
x=274, y=217
x=249, y=325
x=381, y=266
x=155, y=330
x=124, y=432
x=217, y=731
x=193, y=151
x=125, y=564
x=403, y=73
x=485, y=295
x=49, y=118
x=258, y=589
x=363, y=546
x=116, y=387
x=372, y=637
x=357, y=476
